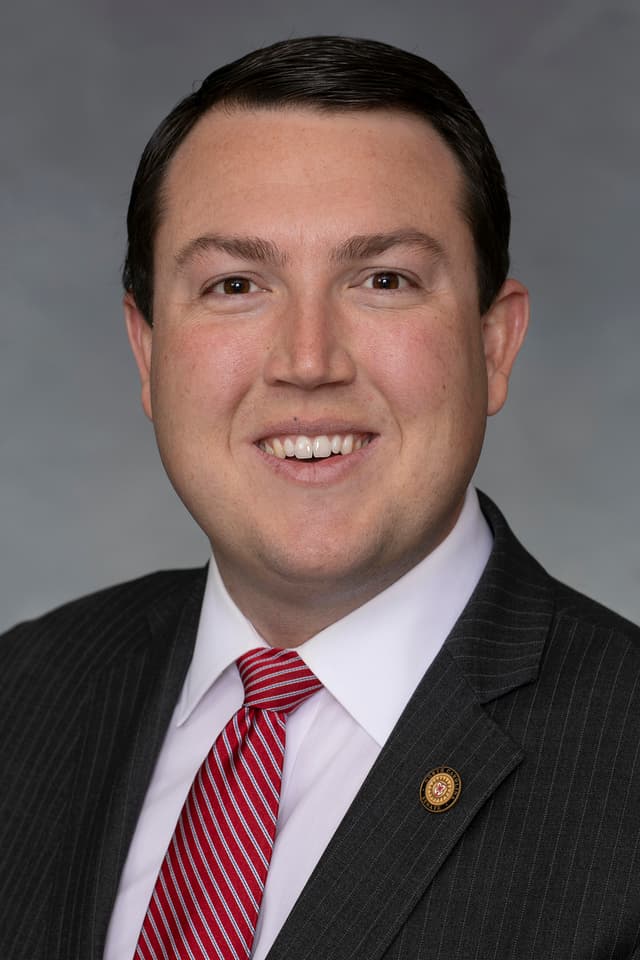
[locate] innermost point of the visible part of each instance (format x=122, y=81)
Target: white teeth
x=304, y=448
x=278, y=448
x=347, y=444
x=321, y=447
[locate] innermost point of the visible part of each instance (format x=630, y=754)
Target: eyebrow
x=358, y=247
x=372, y=245
x=246, y=248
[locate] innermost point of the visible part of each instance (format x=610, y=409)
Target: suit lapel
x=129, y=707
x=389, y=848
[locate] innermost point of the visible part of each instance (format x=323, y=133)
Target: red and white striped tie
x=207, y=896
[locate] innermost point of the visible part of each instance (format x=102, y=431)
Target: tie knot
x=276, y=679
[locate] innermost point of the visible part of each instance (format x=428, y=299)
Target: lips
x=303, y=446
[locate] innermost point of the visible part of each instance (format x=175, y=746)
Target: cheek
x=430, y=366
x=201, y=371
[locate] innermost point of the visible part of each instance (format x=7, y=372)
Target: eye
x=386, y=280
x=233, y=286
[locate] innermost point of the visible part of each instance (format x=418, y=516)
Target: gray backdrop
x=84, y=499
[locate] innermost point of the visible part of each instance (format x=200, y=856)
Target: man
x=318, y=304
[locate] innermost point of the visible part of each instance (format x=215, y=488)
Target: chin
x=318, y=564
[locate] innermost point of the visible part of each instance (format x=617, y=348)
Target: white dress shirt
x=369, y=663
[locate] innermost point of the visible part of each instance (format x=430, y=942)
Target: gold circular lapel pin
x=440, y=789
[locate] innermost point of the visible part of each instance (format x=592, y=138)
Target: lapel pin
x=440, y=789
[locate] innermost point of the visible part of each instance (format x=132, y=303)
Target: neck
x=286, y=622
x=287, y=613
x=288, y=605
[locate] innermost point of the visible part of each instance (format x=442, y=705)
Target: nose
x=310, y=346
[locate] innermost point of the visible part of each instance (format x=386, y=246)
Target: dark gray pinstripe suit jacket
x=534, y=699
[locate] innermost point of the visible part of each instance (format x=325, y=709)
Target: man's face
x=315, y=289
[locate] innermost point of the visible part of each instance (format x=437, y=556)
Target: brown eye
x=231, y=285
x=386, y=281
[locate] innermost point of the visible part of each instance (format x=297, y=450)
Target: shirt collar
x=372, y=659
x=224, y=634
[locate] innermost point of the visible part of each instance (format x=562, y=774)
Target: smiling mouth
x=302, y=447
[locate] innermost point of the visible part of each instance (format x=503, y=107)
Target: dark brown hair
x=332, y=74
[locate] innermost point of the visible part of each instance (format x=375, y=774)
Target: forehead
x=301, y=173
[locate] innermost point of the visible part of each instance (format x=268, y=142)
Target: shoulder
x=79, y=630
x=512, y=568
x=576, y=608
x=558, y=671
x=523, y=624
x=121, y=600
x=592, y=655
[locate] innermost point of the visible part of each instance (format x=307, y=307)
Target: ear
x=140, y=338
x=504, y=327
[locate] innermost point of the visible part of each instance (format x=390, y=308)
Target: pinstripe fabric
x=208, y=893
x=534, y=699
x=86, y=693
